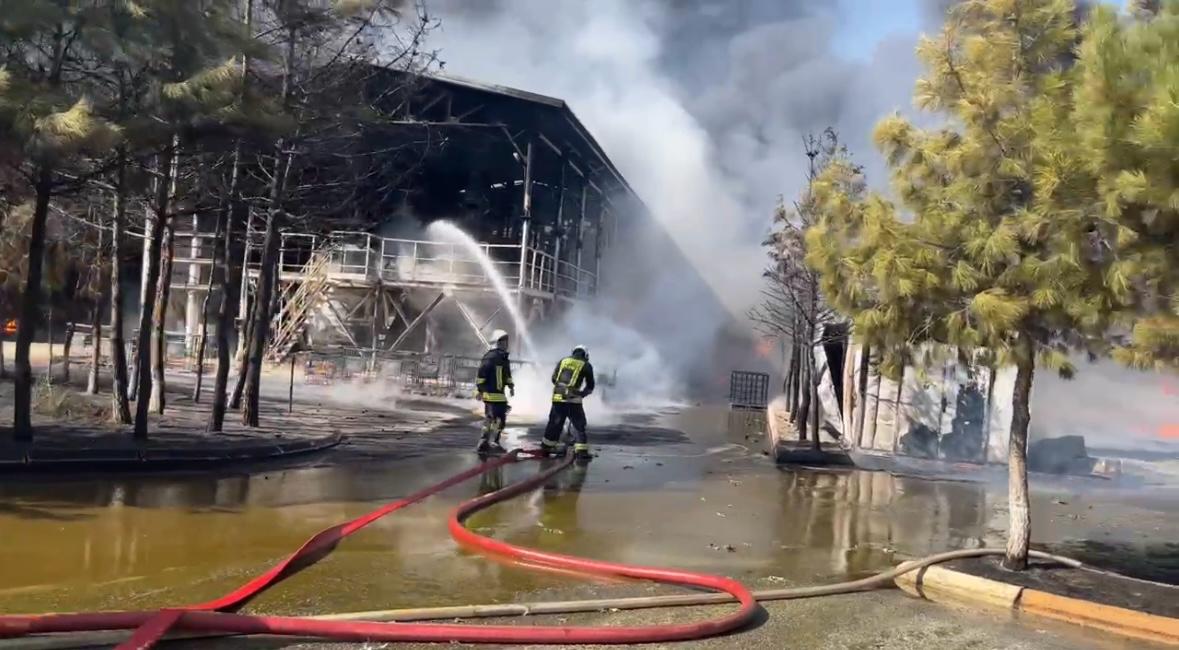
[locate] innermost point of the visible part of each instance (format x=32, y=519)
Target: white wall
x=1114, y=408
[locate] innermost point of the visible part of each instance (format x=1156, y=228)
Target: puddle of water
x=656, y=496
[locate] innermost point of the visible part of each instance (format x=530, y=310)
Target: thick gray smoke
x=703, y=105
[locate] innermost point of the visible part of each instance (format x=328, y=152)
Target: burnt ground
x=1092, y=585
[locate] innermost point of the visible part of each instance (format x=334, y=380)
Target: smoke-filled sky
x=702, y=103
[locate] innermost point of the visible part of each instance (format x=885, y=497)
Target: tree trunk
x=49, y=339
x=862, y=407
x=796, y=379
x=143, y=347
x=242, y=360
x=804, y=408
x=260, y=328
x=260, y=325
x=897, y=429
x=3, y=320
x=30, y=311
x=96, y=318
x=791, y=378
x=816, y=411
x=204, y=336
x=148, y=261
x=159, y=352
x=987, y=414
x=120, y=408
x=229, y=303
x=66, y=347
x=1019, y=531
x=875, y=421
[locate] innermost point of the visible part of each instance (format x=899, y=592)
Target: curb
x=947, y=586
x=49, y=459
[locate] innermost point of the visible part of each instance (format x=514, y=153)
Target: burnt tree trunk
x=229, y=302
x=66, y=346
x=246, y=331
x=143, y=345
x=260, y=330
x=802, y=416
x=159, y=340
x=791, y=378
x=204, y=336
x=987, y=413
x=897, y=430
x=148, y=261
x=874, y=420
x=796, y=380
x=30, y=311
x=120, y=407
x=862, y=391
x=96, y=314
x=1019, y=532
x=3, y=321
x=816, y=412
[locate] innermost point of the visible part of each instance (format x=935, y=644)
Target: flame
x=1169, y=431
x=764, y=348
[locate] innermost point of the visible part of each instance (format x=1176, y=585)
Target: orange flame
x=764, y=348
x=1169, y=431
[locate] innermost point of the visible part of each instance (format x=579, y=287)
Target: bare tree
x=792, y=306
x=99, y=282
x=203, y=337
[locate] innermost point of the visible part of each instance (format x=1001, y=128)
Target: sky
x=866, y=23
x=702, y=104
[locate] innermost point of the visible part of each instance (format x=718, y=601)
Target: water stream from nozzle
x=445, y=230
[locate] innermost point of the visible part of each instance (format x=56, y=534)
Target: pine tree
x=48, y=125
x=990, y=247
x=1127, y=119
x=174, y=80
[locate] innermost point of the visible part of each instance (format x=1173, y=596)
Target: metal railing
x=367, y=258
x=407, y=260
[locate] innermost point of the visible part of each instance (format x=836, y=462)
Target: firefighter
x=493, y=379
x=573, y=381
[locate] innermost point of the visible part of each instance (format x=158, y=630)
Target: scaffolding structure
x=515, y=170
x=372, y=296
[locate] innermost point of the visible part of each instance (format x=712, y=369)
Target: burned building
x=516, y=171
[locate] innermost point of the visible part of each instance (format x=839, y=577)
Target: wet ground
x=686, y=490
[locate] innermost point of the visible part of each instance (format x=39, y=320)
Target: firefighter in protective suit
x=573, y=381
x=494, y=383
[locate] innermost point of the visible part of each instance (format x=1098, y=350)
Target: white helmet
x=581, y=348
x=497, y=336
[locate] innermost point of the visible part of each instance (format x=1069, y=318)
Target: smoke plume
x=703, y=105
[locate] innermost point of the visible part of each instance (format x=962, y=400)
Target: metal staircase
x=298, y=302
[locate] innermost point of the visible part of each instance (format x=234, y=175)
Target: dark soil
x=1129, y=593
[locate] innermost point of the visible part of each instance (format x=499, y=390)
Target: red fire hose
x=215, y=616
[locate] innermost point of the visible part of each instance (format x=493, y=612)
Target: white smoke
x=631, y=374
x=602, y=58
x=702, y=105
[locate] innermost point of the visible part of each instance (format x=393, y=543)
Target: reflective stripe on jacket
x=573, y=379
x=494, y=376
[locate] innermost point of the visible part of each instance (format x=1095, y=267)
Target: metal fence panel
x=748, y=389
